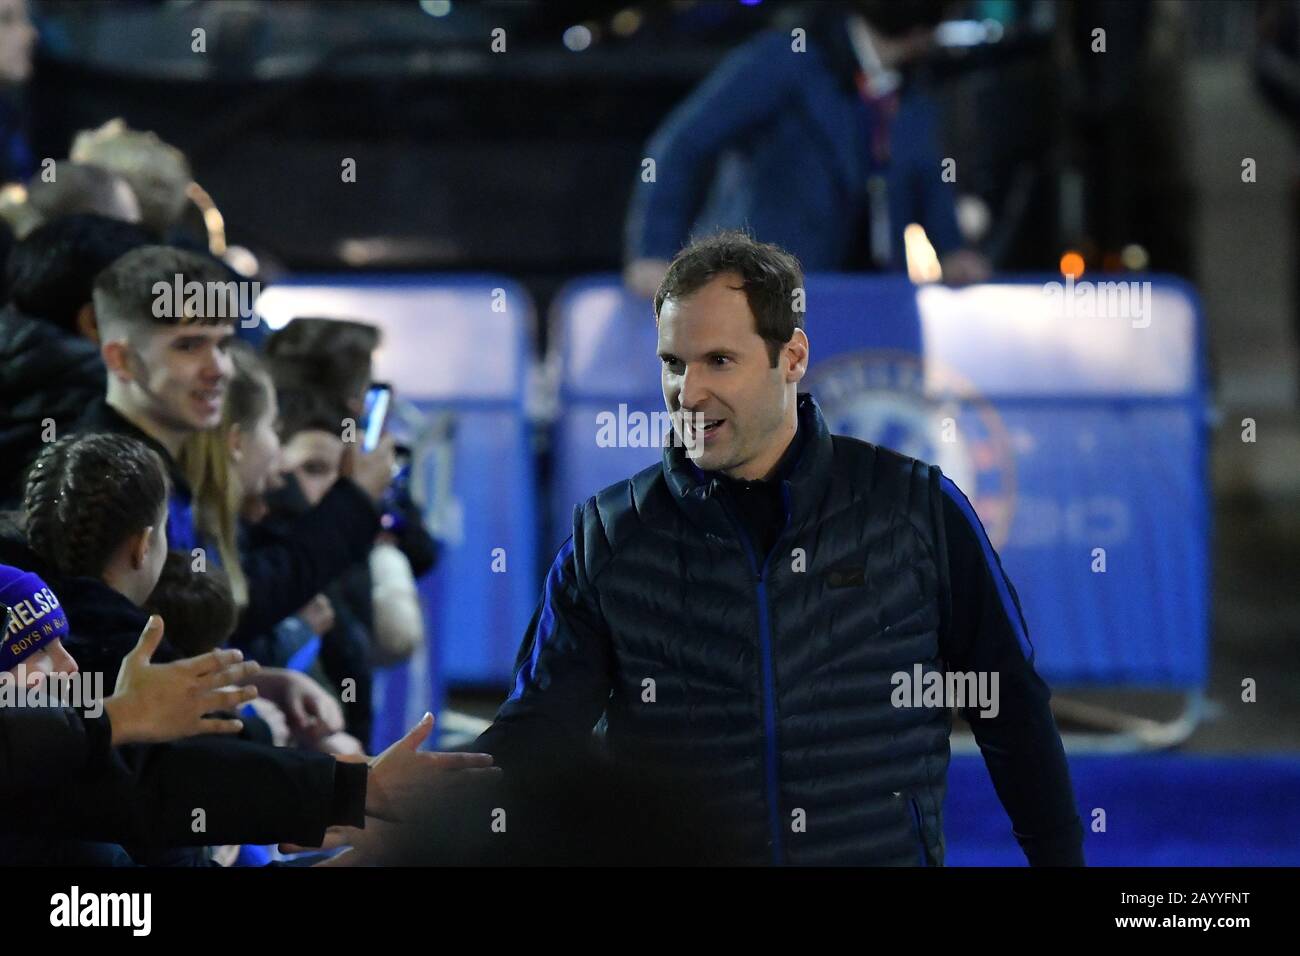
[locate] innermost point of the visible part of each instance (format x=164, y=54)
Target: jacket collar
x=803, y=488
x=103, y=417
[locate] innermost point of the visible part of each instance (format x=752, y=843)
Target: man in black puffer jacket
x=747, y=614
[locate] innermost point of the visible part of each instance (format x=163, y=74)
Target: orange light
x=1072, y=265
x=213, y=221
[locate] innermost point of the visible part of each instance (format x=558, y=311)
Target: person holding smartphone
x=373, y=610
x=333, y=359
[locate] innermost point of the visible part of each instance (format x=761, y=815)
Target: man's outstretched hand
x=401, y=793
x=402, y=778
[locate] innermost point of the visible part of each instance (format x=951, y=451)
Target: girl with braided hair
x=95, y=517
x=95, y=513
x=96, y=506
x=95, y=509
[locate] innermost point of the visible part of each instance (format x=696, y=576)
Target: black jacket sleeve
x=420, y=547
x=41, y=747
x=197, y=792
x=984, y=632
x=286, y=571
x=345, y=652
x=563, y=677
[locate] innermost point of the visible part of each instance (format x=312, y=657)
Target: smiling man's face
x=715, y=367
x=183, y=373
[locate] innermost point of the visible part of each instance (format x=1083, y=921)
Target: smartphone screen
x=374, y=414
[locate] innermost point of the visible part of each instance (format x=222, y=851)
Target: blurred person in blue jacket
x=17, y=40
x=813, y=141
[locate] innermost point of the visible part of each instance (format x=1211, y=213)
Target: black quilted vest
x=772, y=679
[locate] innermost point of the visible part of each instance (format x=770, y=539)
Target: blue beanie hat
x=30, y=616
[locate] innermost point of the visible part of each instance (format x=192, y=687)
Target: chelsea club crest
x=906, y=404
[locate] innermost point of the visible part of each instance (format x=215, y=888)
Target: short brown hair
x=124, y=292
x=330, y=356
x=197, y=608
x=306, y=409
x=769, y=277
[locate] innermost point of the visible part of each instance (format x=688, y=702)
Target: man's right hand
x=402, y=779
x=373, y=471
x=155, y=703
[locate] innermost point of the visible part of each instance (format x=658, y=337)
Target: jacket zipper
x=768, y=692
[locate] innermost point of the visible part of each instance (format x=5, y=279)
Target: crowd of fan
x=188, y=516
